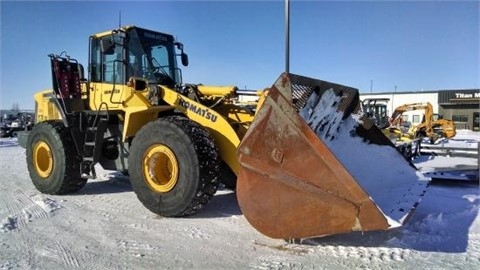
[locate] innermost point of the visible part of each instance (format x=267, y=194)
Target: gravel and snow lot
x=104, y=226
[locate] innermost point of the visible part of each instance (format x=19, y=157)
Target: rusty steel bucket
x=311, y=165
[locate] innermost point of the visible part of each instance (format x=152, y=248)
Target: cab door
x=107, y=72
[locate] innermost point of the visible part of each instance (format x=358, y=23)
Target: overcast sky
x=427, y=45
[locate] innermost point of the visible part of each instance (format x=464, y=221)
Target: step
x=88, y=159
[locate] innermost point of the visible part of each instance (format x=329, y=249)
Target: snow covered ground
x=104, y=226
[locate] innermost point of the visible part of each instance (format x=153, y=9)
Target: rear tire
x=174, y=166
x=52, y=159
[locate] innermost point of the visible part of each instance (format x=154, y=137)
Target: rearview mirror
x=184, y=57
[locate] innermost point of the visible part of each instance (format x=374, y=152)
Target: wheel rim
x=160, y=168
x=42, y=159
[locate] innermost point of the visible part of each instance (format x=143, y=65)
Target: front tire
x=174, y=166
x=52, y=159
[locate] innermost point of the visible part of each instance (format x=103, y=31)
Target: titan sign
x=463, y=95
x=468, y=96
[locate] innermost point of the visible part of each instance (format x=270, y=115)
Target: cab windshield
x=151, y=55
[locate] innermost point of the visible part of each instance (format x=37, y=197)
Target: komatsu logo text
x=115, y=91
x=198, y=110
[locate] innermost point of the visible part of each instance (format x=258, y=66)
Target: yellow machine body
x=227, y=123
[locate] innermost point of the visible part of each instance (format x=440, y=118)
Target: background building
x=462, y=105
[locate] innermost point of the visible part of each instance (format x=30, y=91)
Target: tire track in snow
x=137, y=227
x=196, y=233
x=366, y=254
x=279, y=261
x=105, y=207
x=112, y=204
x=275, y=262
x=17, y=218
x=92, y=260
x=363, y=255
x=106, y=197
x=136, y=249
x=61, y=254
x=67, y=256
x=22, y=209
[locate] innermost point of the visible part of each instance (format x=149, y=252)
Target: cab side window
x=108, y=68
x=95, y=61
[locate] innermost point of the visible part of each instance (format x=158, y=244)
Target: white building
x=462, y=105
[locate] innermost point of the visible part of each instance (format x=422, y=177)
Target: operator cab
x=117, y=56
x=376, y=109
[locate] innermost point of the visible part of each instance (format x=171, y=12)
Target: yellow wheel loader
x=178, y=141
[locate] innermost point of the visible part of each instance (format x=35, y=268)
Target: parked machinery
x=432, y=126
x=177, y=141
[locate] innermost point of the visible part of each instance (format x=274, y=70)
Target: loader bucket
x=311, y=165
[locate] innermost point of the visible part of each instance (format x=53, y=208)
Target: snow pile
x=392, y=183
x=472, y=198
x=466, y=135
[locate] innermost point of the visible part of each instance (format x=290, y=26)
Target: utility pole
x=287, y=36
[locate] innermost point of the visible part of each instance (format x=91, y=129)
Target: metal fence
x=448, y=150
